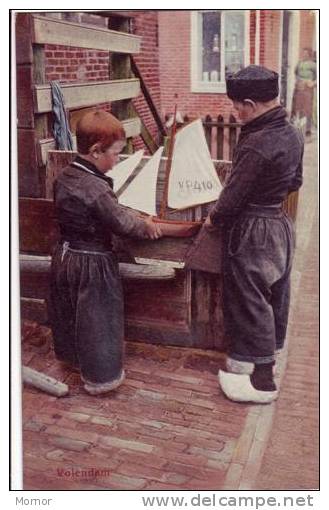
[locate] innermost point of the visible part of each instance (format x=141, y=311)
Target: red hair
x=98, y=127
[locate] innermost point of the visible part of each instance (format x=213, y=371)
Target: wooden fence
x=221, y=135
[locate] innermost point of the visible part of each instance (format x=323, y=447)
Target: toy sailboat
x=190, y=180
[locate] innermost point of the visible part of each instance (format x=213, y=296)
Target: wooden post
x=44, y=382
x=164, y=200
x=220, y=137
x=41, y=119
x=232, y=137
x=120, y=67
x=28, y=174
x=208, y=130
x=148, y=98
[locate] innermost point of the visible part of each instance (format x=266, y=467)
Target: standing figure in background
x=305, y=72
x=86, y=290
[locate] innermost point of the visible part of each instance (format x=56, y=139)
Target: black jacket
x=88, y=211
x=266, y=167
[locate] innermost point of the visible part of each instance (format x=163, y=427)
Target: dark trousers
x=258, y=254
x=87, y=313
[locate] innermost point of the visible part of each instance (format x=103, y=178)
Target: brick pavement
x=169, y=427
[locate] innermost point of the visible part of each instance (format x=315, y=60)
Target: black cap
x=253, y=82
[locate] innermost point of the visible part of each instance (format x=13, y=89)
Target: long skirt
x=258, y=254
x=302, y=105
x=87, y=313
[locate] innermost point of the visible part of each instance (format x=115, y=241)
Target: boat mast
x=164, y=200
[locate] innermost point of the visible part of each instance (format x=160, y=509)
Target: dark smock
x=258, y=236
x=86, y=290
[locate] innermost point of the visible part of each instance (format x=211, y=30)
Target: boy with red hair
x=86, y=290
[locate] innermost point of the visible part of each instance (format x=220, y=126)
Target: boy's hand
x=209, y=224
x=153, y=229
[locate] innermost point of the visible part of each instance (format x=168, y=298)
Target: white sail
x=121, y=171
x=141, y=192
x=193, y=179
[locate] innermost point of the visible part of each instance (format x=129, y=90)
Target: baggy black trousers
x=258, y=254
x=87, y=313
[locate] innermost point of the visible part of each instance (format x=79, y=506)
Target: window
x=220, y=45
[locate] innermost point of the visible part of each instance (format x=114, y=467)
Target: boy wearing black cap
x=258, y=235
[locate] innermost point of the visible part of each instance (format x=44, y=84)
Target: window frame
x=197, y=85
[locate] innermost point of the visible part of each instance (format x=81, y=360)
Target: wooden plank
x=158, y=331
x=28, y=174
x=38, y=230
x=115, y=14
x=44, y=382
x=56, y=161
x=207, y=301
x=39, y=64
x=78, y=95
x=34, y=310
x=65, y=33
x=132, y=128
x=148, y=98
x=48, y=145
x=146, y=135
x=166, y=248
x=290, y=205
x=41, y=264
x=145, y=272
x=23, y=38
x=24, y=84
x=34, y=279
x=121, y=69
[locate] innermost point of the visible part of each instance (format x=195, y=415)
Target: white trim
x=198, y=85
x=83, y=168
x=257, y=38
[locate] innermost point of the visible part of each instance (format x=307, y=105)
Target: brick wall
x=145, y=24
x=164, y=61
x=74, y=64
x=67, y=64
x=252, y=36
x=270, y=33
x=175, y=74
x=307, y=27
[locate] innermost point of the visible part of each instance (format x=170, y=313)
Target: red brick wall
x=307, y=27
x=75, y=64
x=145, y=24
x=175, y=75
x=270, y=33
x=68, y=64
x=252, y=36
x=175, y=47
